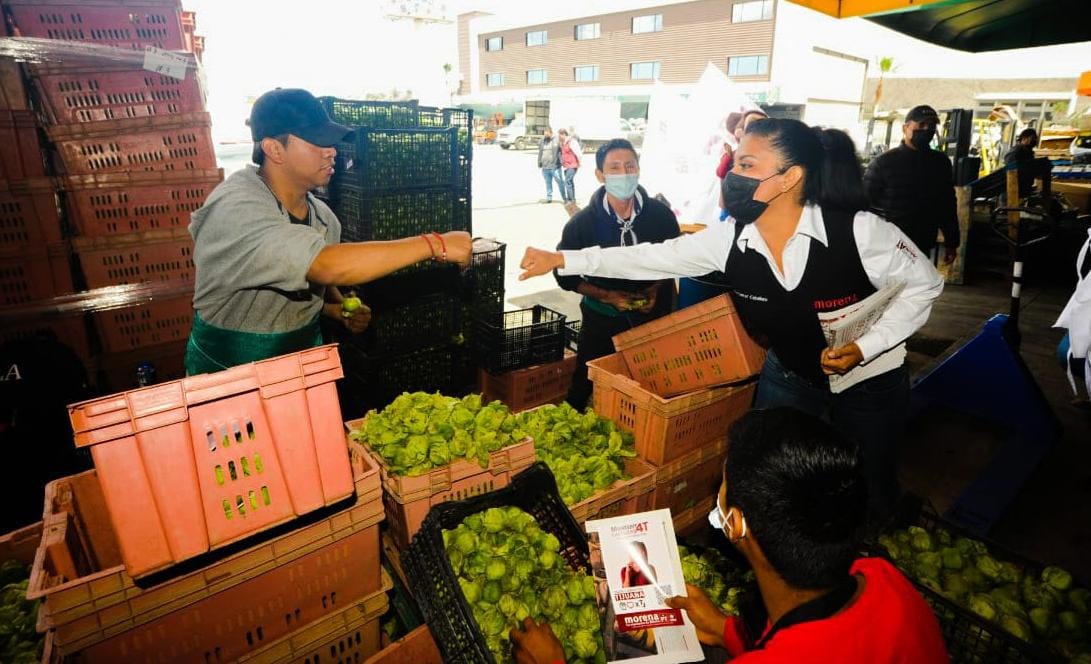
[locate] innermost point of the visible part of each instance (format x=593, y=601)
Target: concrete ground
x=943, y=451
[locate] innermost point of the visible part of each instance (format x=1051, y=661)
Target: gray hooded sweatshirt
x=252, y=261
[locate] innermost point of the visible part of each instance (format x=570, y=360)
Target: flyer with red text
x=635, y=562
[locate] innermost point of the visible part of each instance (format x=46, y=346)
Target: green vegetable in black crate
x=420, y=431
x=586, y=452
x=1034, y=607
x=20, y=643
x=510, y=569
x=721, y=580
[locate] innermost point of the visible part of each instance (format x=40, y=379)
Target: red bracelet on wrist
x=443, y=246
x=424, y=236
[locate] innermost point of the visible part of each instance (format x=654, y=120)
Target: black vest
x=786, y=321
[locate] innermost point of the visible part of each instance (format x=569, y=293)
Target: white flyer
x=846, y=325
x=635, y=562
x=165, y=62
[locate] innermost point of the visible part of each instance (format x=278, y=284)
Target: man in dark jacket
x=913, y=186
x=1022, y=155
x=549, y=160
x=620, y=213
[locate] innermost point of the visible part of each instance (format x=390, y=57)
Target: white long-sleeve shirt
x=887, y=255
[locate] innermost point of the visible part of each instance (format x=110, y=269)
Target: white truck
x=594, y=121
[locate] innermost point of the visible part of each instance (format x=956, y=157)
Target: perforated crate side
x=398, y=214
x=127, y=25
x=426, y=322
x=29, y=219
x=22, y=155
x=180, y=142
x=119, y=203
x=364, y=113
x=150, y=324
x=36, y=275
x=520, y=338
x=164, y=255
x=77, y=95
x=383, y=160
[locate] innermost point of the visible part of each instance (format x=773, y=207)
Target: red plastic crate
x=530, y=387
x=21, y=544
x=700, y=346
x=69, y=330
x=196, y=464
x=664, y=429
x=36, y=275
x=13, y=92
x=181, y=142
x=684, y=483
x=74, y=95
x=118, y=203
x=88, y=597
x=150, y=324
x=418, y=647
x=130, y=24
x=623, y=497
x=28, y=215
x=21, y=155
x=134, y=258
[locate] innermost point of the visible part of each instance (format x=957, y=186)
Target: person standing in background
x=549, y=160
x=913, y=186
x=570, y=162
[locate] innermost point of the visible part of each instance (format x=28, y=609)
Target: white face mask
x=720, y=521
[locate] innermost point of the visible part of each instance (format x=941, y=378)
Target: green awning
x=994, y=25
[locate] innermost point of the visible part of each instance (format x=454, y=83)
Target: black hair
x=258, y=155
x=798, y=484
x=832, y=175
x=1028, y=133
x=611, y=145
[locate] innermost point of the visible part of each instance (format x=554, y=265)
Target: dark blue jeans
x=551, y=174
x=569, y=189
x=872, y=413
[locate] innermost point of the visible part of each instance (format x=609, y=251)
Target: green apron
x=212, y=348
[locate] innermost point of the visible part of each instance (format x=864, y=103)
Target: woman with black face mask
x=802, y=243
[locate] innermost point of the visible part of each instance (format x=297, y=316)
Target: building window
x=649, y=23
x=752, y=10
x=494, y=44
x=587, y=73
x=537, y=76
x=537, y=38
x=644, y=71
x=748, y=65
x=587, y=31
x=494, y=80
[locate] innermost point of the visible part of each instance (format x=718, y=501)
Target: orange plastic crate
x=74, y=94
x=21, y=544
x=13, y=92
x=685, y=483
x=350, y=635
x=664, y=429
x=128, y=24
x=527, y=388
x=88, y=597
x=21, y=156
x=135, y=258
x=624, y=497
x=195, y=464
x=181, y=142
x=28, y=215
x=416, y=647
x=36, y=275
x=150, y=324
x=694, y=519
x=119, y=203
x=408, y=499
x=700, y=346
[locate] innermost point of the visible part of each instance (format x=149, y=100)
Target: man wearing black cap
x=913, y=186
x=268, y=253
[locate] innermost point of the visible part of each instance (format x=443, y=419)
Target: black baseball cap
x=297, y=112
x=922, y=112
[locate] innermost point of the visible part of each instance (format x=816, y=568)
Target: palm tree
x=886, y=65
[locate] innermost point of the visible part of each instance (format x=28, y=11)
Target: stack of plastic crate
x=407, y=173
x=133, y=156
x=229, y=519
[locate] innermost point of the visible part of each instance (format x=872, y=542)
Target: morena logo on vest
x=836, y=303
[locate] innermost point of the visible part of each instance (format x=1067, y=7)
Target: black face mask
x=738, y=191
x=922, y=138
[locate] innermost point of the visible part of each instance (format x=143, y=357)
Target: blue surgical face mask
x=622, y=187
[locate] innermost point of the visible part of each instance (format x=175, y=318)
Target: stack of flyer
x=635, y=562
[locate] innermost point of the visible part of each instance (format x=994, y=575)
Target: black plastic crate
x=434, y=583
x=360, y=113
x=969, y=637
x=380, y=160
x=395, y=215
x=483, y=280
x=522, y=338
x=463, y=121
x=424, y=322
x=374, y=380
x=572, y=335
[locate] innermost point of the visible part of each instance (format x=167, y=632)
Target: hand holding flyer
x=846, y=325
x=636, y=558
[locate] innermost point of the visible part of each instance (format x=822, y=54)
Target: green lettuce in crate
x=585, y=451
x=420, y=431
x=718, y=577
x=510, y=569
x=20, y=642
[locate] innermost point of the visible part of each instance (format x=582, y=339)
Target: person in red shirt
x=793, y=503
